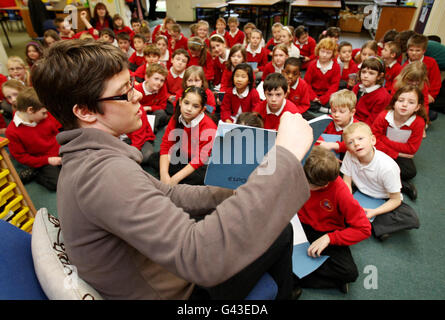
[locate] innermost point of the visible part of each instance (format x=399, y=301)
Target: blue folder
x=302, y=264
x=367, y=201
x=332, y=138
x=237, y=151
x=254, y=65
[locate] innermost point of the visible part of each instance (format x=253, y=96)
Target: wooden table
x=313, y=4
x=257, y=4
x=215, y=7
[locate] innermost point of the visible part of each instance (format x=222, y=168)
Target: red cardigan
x=434, y=78
x=352, y=68
x=231, y=103
x=307, y=50
x=199, y=156
x=238, y=38
x=393, y=148
x=180, y=44
x=391, y=74
x=260, y=58
x=371, y=104
x=143, y=134
x=226, y=81
x=32, y=146
x=334, y=210
x=300, y=96
x=272, y=121
x=136, y=60
x=140, y=71
x=173, y=84
x=268, y=69
x=322, y=85
x=218, y=69
x=157, y=101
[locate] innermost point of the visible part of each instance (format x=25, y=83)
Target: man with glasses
x=133, y=237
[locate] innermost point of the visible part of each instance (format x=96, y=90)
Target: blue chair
x=18, y=280
x=265, y=289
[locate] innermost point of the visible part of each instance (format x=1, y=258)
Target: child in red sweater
x=417, y=45
x=180, y=59
x=187, y=142
x=162, y=43
x=243, y=97
x=120, y=27
x=220, y=28
x=151, y=56
x=348, y=68
x=256, y=53
x=279, y=56
x=220, y=54
x=10, y=90
x=323, y=75
x=372, y=98
x=32, y=139
x=137, y=58
x=276, y=38
x=390, y=53
x=275, y=89
x=332, y=221
x=194, y=77
x=298, y=89
x=154, y=94
x=200, y=56
x=399, y=132
x=177, y=39
x=237, y=55
x=163, y=29
x=306, y=44
x=235, y=35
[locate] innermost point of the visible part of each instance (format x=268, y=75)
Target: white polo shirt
x=378, y=178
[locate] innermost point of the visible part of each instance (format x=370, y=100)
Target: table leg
x=6, y=33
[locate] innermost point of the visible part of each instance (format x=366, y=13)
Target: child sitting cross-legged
x=376, y=175
x=32, y=141
x=332, y=221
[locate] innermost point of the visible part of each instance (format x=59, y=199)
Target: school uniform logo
x=326, y=205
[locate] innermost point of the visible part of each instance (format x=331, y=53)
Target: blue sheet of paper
x=302, y=264
x=368, y=202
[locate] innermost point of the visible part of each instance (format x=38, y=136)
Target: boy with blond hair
x=342, y=112
x=376, y=175
x=332, y=221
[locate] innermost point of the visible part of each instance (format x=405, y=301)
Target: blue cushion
x=18, y=280
x=265, y=289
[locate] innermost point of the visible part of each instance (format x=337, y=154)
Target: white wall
x=436, y=23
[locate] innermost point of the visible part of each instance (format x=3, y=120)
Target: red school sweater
x=425, y=92
x=137, y=60
x=143, y=134
x=334, y=210
x=238, y=38
x=390, y=74
x=182, y=43
x=157, y=101
x=352, y=68
x=260, y=58
x=226, y=80
x=268, y=69
x=393, y=148
x=300, y=96
x=140, y=71
x=173, y=84
x=232, y=102
x=371, y=104
x=199, y=153
x=322, y=85
x=218, y=69
x=434, y=77
x=307, y=50
x=208, y=66
x=272, y=121
x=32, y=146
x=126, y=30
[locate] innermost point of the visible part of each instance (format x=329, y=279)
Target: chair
x=14, y=17
x=59, y=279
x=18, y=280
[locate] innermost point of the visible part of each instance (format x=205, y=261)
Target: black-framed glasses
x=126, y=96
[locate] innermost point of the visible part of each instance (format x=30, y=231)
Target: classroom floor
x=407, y=266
